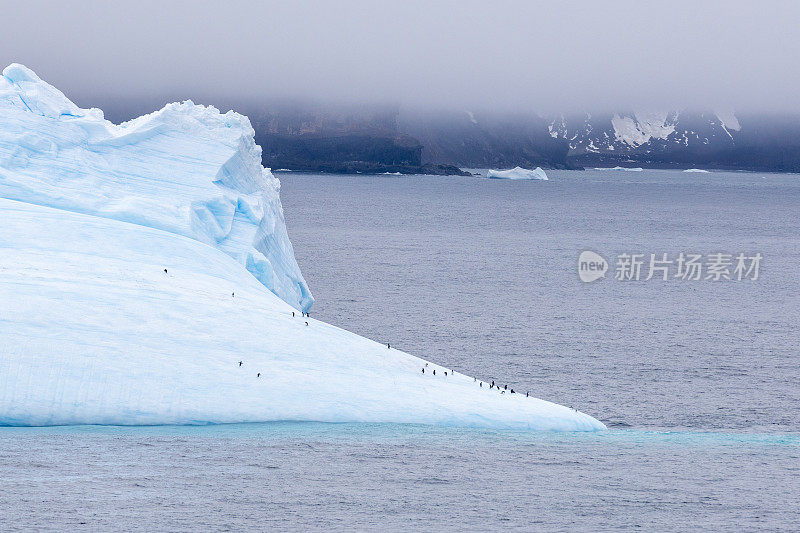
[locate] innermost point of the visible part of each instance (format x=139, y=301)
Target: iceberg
x=147, y=278
x=518, y=173
x=623, y=169
x=696, y=170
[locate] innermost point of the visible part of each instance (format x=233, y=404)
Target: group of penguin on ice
x=492, y=385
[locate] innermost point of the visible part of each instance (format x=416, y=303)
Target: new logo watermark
x=716, y=266
x=591, y=266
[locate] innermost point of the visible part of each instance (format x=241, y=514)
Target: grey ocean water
x=698, y=380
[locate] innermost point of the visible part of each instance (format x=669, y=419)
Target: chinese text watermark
x=716, y=266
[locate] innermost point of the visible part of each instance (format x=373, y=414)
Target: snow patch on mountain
x=642, y=127
x=728, y=120
x=558, y=127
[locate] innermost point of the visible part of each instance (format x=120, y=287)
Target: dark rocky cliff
x=476, y=140
x=340, y=139
x=385, y=139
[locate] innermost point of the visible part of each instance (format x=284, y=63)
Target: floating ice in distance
x=518, y=173
x=623, y=169
x=696, y=170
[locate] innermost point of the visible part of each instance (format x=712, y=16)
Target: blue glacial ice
x=140, y=263
x=186, y=169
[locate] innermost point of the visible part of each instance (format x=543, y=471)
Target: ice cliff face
x=186, y=169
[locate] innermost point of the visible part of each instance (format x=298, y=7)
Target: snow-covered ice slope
x=186, y=169
x=94, y=331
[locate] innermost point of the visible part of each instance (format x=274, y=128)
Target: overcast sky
x=526, y=55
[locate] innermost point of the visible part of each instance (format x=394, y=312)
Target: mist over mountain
x=421, y=86
x=508, y=56
x=321, y=136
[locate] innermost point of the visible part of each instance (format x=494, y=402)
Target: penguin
x=240, y=363
x=165, y=271
x=258, y=375
x=434, y=371
x=423, y=369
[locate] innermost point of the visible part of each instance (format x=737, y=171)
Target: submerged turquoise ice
x=141, y=263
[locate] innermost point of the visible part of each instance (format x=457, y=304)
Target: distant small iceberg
x=518, y=173
x=627, y=169
x=696, y=170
